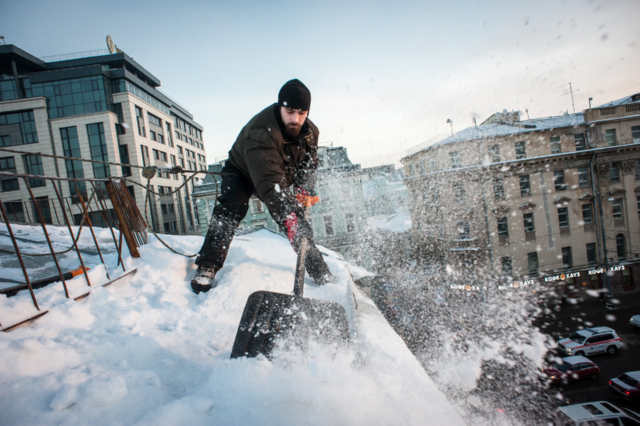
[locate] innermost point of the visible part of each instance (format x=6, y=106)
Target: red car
x=572, y=368
x=627, y=385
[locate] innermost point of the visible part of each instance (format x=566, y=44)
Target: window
x=71, y=148
x=555, y=144
x=617, y=209
x=351, y=224
x=587, y=214
x=146, y=160
x=464, y=230
x=494, y=153
x=610, y=137
x=525, y=187
x=558, y=180
x=498, y=188
x=152, y=135
x=621, y=248
x=98, y=148
x=529, y=225
x=563, y=218
x=15, y=212
x=532, y=262
x=591, y=253
x=257, y=206
x=156, y=154
x=124, y=158
x=614, y=171
x=521, y=150
x=635, y=134
x=455, y=159
x=8, y=164
x=33, y=166
x=583, y=177
x=140, y=121
x=153, y=120
x=567, y=258
x=328, y=225
x=580, y=141
x=608, y=111
x=70, y=97
x=503, y=227
x=507, y=268
x=169, y=134
x=458, y=191
x=20, y=130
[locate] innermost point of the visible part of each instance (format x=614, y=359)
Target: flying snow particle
x=610, y=317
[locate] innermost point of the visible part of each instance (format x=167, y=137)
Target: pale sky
x=384, y=76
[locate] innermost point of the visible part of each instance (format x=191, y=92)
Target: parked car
x=571, y=368
x=635, y=320
x=591, y=341
x=597, y=412
x=627, y=385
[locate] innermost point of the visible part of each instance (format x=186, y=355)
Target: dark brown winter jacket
x=273, y=163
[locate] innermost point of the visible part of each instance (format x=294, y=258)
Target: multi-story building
x=205, y=198
x=384, y=190
x=339, y=217
x=554, y=198
x=105, y=108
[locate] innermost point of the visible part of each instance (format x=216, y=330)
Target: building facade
x=554, y=199
x=339, y=218
x=385, y=192
x=205, y=196
x=105, y=108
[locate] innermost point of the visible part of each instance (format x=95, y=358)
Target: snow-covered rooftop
x=148, y=351
x=490, y=130
x=622, y=101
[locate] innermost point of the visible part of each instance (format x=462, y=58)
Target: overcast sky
x=384, y=76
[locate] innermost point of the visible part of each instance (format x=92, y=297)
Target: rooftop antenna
x=450, y=123
x=572, y=102
x=590, y=99
x=1, y=39
x=527, y=111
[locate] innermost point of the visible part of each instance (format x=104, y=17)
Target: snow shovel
x=270, y=316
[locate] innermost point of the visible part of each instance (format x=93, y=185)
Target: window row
x=328, y=224
x=566, y=254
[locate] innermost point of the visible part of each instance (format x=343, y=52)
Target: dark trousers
x=231, y=208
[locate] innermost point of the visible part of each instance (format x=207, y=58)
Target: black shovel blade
x=268, y=316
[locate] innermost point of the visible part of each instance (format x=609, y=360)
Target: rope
x=147, y=171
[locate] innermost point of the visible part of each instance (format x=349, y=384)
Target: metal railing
x=124, y=217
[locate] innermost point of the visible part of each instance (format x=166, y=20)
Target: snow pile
x=146, y=350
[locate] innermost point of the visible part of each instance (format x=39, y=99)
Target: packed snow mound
x=148, y=351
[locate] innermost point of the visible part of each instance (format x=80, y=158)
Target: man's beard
x=292, y=130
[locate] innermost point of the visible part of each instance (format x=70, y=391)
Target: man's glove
x=297, y=228
x=305, y=199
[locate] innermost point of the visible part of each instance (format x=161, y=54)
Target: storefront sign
x=601, y=270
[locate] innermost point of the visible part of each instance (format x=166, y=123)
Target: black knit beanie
x=295, y=95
